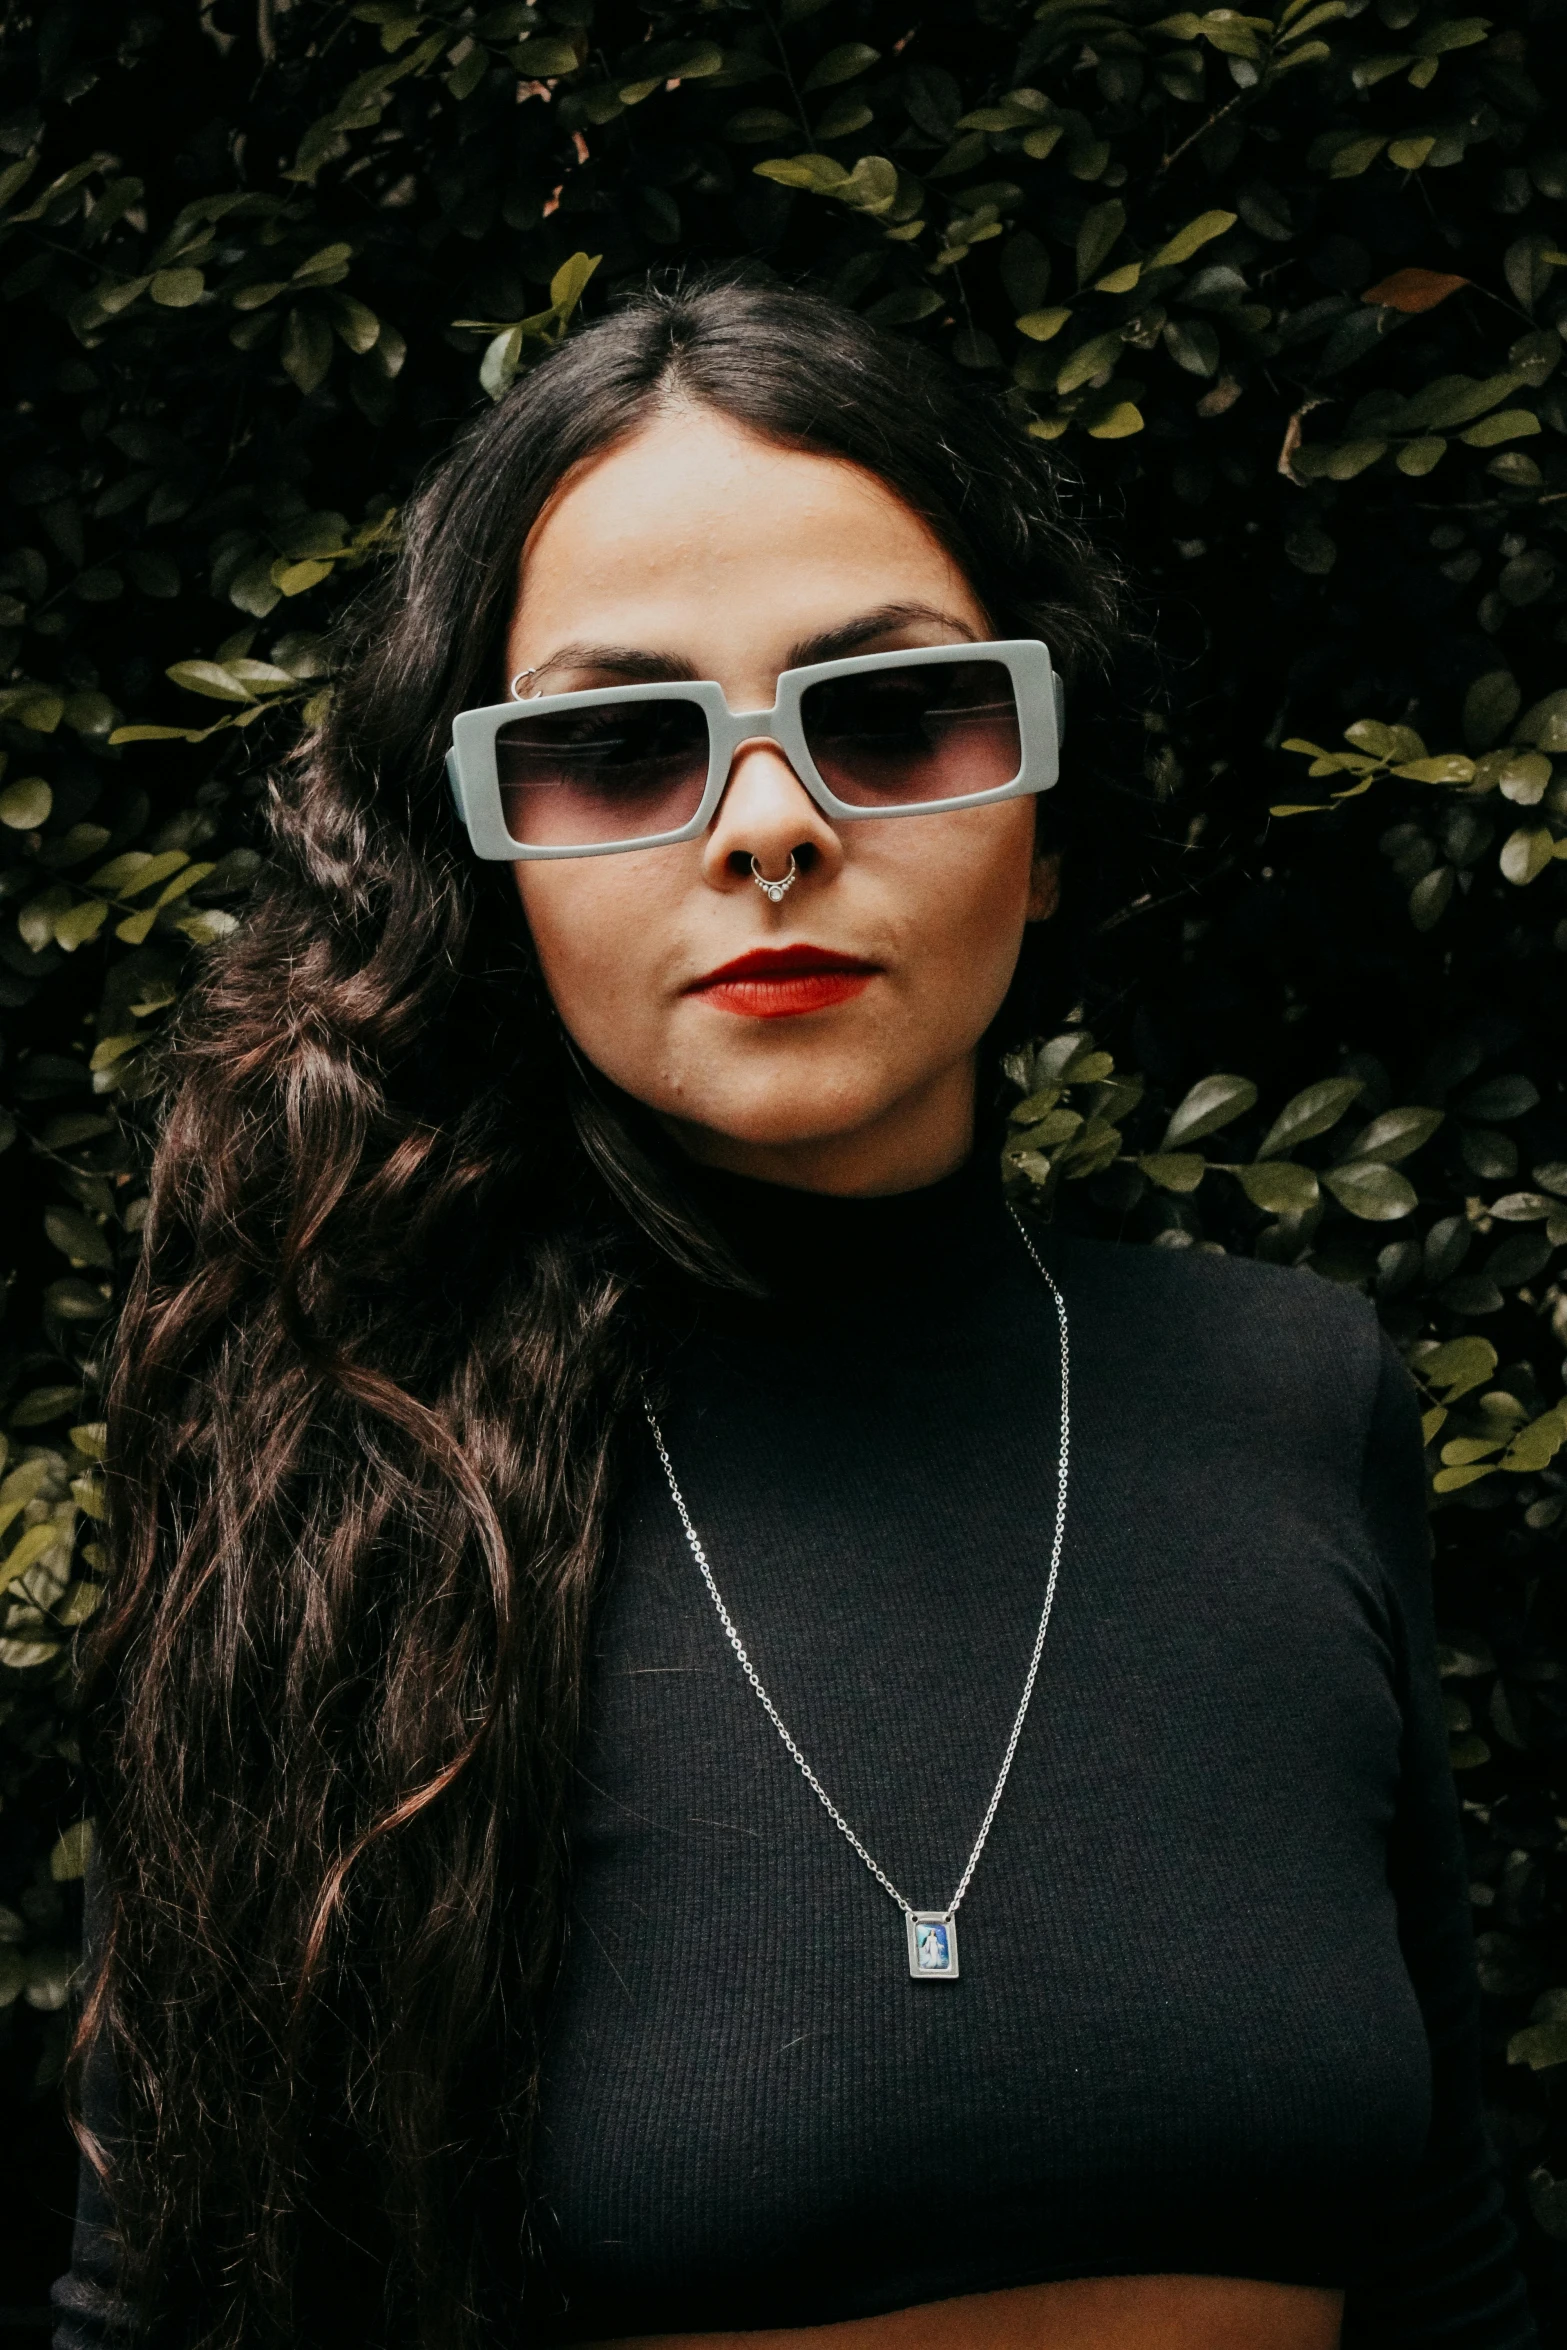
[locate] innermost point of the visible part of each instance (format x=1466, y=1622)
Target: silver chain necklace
x=932, y=1933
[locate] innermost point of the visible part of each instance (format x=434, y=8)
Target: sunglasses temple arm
x=454, y=779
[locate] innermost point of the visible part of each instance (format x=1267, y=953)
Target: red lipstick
x=779, y=983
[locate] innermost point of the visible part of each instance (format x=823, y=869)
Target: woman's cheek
x=593, y=939
x=969, y=903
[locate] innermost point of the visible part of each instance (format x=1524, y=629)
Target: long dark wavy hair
x=369, y=1398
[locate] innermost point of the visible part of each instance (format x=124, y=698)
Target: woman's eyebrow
x=639, y=666
x=832, y=644
x=628, y=661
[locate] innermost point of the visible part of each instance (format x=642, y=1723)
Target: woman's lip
x=781, y=983
x=783, y=962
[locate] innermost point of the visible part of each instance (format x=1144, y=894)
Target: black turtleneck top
x=1216, y=2007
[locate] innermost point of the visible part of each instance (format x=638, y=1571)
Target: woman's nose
x=767, y=813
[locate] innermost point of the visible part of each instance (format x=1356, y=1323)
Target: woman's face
x=696, y=549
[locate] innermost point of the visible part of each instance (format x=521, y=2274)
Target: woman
x=599, y=1473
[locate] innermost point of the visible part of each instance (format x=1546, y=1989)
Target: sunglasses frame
x=473, y=773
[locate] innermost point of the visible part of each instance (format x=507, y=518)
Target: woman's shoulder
x=1253, y=1340
x=1209, y=1283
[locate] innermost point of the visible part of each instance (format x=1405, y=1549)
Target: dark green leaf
x=1280, y=1186
x=1368, y=1189
x=1394, y=1135
x=1174, y=1170
x=1502, y=1098
x=1213, y=1102
x=1098, y=238
x=841, y=64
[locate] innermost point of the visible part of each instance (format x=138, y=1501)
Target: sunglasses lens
x=937, y=730
x=618, y=771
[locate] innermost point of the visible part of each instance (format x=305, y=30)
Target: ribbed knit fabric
x=1216, y=2011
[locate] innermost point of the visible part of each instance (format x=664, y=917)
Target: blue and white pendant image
x=933, y=1946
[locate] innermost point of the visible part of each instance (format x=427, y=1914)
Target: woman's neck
x=822, y=1259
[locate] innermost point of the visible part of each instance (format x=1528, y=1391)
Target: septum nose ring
x=773, y=891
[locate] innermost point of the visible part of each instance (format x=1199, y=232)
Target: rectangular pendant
x=933, y=1946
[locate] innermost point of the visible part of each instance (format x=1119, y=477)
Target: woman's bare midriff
x=1082, y=2313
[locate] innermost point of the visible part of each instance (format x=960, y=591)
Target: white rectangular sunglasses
x=644, y=766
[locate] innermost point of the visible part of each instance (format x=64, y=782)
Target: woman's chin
x=781, y=1121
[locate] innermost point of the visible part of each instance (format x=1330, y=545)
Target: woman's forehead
x=696, y=522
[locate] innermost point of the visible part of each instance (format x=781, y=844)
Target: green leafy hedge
x=1288, y=287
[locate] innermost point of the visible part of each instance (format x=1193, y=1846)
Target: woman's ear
x=1044, y=889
